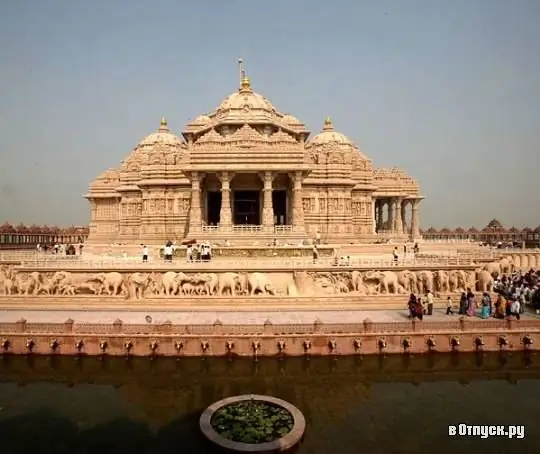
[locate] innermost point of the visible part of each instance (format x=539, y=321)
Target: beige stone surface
x=329, y=188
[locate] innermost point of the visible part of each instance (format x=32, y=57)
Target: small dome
x=162, y=136
x=201, y=120
x=290, y=120
x=330, y=135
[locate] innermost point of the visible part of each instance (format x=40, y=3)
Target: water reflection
x=140, y=405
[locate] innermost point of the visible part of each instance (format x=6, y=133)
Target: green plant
x=252, y=421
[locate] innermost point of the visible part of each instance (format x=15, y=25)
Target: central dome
x=246, y=98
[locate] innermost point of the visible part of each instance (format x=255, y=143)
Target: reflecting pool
x=353, y=405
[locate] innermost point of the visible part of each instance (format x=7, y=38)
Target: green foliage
x=252, y=421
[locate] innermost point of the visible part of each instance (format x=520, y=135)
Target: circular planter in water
x=253, y=424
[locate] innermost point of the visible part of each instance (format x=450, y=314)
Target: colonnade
x=226, y=218
x=392, y=216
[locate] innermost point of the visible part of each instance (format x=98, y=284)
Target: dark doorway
x=279, y=201
x=213, y=206
x=247, y=208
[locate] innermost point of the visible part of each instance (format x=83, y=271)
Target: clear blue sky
x=448, y=90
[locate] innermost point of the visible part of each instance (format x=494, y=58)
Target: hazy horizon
x=448, y=91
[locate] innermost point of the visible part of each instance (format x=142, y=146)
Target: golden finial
x=163, y=122
x=246, y=83
x=328, y=124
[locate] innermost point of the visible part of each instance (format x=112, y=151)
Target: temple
x=249, y=172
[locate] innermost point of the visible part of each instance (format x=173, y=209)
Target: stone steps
x=96, y=303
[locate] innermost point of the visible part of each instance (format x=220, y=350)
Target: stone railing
x=247, y=228
x=252, y=263
x=318, y=338
x=253, y=229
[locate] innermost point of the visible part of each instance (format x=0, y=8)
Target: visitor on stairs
x=430, y=300
x=515, y=308
x=449, y=310
x=485, y=306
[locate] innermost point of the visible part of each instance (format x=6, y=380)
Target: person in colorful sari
x=471, y=306
x=412, y=305
x=463, y=304
x=500, y=307
x=485, y=306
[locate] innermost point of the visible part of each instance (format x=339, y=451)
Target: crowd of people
x=195, y=252
x=419, y=307
x=513, y=292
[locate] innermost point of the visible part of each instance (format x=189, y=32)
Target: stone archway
x=246, y=197
x=211, y=199
x=282, y=199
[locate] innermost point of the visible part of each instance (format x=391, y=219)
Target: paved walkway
x=208, y=318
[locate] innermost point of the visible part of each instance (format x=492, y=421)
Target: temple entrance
x=279, y=201
x=247, y=207
x=213, y=207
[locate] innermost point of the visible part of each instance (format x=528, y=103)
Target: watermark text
x=466, y=430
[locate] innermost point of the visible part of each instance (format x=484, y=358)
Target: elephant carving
x=441, y=281
x=484, y=281
x=171, y=283
x=507, y=265
x=408, y=281
x=137, y=284
x=112, y=283
x=425, y=281
x=259, y=282
x=358, y=284
x=229, y=282
x=387, y=281
x=493, y=268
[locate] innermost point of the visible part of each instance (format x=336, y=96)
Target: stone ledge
x=283, y=444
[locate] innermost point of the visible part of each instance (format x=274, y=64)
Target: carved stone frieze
x=148, y=284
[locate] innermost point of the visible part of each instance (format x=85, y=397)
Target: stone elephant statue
x=259, y=282
x=387, y=281
x=171, y=282
x=136, y=285
x=457, y=281
x=208, y=282
x=441, y=281
x=112, y=283
x=230, y=282
x=493, y=268
x=484, y=281
x=507, y=265
x=408, y=280
x=425, y=281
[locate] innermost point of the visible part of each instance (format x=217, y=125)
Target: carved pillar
x=391, y=217
x=404, y=227
x=298, y=208
x=195, y=209
x=399, y=218
x=415, y=219
x=225, y=213
x=374, y=216
x=268, y=207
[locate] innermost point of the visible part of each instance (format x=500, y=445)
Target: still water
x=353, y=405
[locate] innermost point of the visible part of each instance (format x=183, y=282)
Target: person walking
x=145, y=253
x=449, y=310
